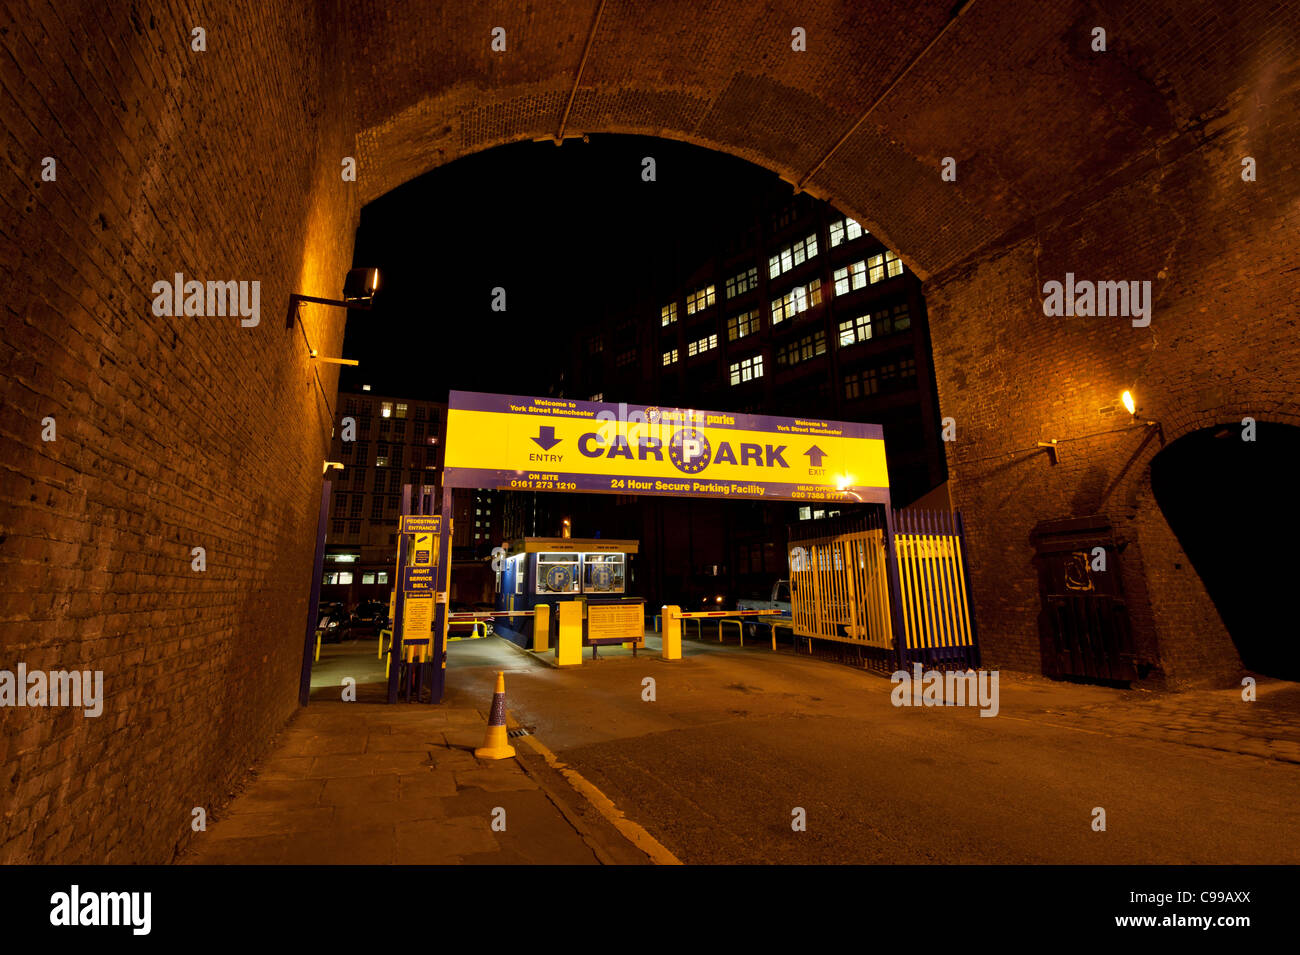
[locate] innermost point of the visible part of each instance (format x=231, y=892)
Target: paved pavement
x=736, y=740
x=367, y=783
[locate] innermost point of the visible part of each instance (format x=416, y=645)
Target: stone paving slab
x=1219, y=719
x=366, y=784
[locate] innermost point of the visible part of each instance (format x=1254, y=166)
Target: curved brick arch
x=1174, y=619
x=225, y=165
x=1030, y=112
x=1115, y=165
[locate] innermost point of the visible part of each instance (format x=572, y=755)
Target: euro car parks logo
x=689, y=451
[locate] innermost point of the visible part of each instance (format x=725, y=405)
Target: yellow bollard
x=318, y=646
x=671, y=648
x=542, y=627
x=568, y=647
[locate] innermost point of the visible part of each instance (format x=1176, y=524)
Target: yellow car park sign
x=556, y=444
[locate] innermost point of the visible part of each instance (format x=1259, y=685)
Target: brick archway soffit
x=1029, y=111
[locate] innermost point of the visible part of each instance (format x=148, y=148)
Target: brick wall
x=183, y=432
x=171, y=432
x=1222, y=345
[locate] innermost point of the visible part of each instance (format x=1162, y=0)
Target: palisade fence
x=839, y=583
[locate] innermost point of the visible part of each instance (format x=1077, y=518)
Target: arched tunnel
x=997, y=153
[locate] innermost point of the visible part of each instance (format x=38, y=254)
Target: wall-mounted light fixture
x=1050, y=448
x=359, y=288
x=334, y=465
x=1131, y=406
x=567, y=530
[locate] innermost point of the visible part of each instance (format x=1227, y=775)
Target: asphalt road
x=736, y=740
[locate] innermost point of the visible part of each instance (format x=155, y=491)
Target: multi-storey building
x=802, y=313
x=397, y=441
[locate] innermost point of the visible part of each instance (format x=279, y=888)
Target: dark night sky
x=569, y=232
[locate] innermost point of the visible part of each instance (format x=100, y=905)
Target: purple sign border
x=496, y=479
x=482, y=401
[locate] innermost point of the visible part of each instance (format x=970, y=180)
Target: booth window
x=557, y=574
x=602, y=573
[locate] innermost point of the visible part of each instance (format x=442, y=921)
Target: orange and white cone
x=497, y=745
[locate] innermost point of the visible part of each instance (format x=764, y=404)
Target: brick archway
x=225, y=165
x=1176, y=621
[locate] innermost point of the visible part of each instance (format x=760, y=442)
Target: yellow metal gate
x=840, y=589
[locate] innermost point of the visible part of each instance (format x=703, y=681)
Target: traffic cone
x=497, y=745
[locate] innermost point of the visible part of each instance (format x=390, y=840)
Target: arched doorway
x=1232, y=505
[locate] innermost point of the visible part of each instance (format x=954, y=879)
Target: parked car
x=370, y=615
x=334, y=623
x=777, y=599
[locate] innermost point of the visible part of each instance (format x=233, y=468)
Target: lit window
x=381, y=460
x=792, y=255
x=852, y=276
x=382, y=577
x=668, y=314
x=885, y=265
x=855, y=330
x=670, y=356
x=401, y=410
x=699, y=300
x=747, y=369
x=738, y=326
x=598, y=396
x=805, y=513
x=701, y=346
x=845, y=230
x=798, y=299
x=387, y=411
x=345, y=576
x=368, y=578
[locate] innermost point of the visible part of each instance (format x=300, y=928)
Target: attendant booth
x=594, y=572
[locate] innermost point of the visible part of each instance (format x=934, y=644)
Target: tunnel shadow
x=1232, y=505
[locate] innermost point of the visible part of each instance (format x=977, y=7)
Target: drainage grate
x=514, y=734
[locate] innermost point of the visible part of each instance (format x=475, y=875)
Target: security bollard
x=672, y=633
x=568, y=647
x=542, y=627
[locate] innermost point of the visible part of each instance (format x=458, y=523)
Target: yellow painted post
x=541, y=627
x=568, y=646
x=318, y=646
x=672, y=635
